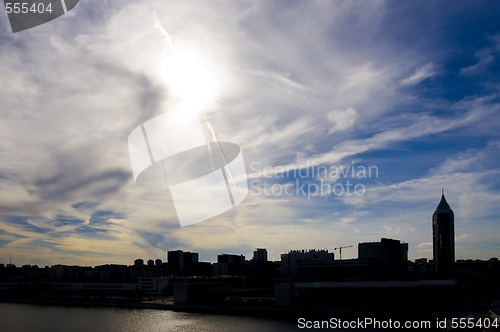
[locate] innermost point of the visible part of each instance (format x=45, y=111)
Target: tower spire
x=443, y=238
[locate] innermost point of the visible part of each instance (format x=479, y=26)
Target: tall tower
x=443, y=238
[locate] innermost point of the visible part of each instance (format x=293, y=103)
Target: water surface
x=27, y=317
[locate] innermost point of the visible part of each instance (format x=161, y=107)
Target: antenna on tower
x=442, y=191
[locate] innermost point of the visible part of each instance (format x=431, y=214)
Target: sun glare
x=193, y=80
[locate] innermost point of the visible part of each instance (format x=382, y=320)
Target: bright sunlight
x=192, y=79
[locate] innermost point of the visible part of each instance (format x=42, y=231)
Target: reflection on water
x=25, y=317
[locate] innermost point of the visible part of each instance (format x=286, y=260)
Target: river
x=27, y=318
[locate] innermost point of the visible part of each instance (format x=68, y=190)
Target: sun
x=192, y=78
x=190, y=74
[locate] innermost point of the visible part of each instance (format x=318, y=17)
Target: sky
x=351, y=117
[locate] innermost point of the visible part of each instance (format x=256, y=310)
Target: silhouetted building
x=333, y=270
x=260, y=269
x=232, y=259
x=443, y=239
x=151, y=263
x=158, y=263
x=375, y=297
x=232, y=265
x=388, y=258
x=190, y=257
x=139, y=263
x=260, y=255
x=175, y=260
x=151, y=285
x=200, y=269
x=290, y=262
x=420, y=266
x=68, y=273
x=179, y=261
x=421, y=261
x=108, y=272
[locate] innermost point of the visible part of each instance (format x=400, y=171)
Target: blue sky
x=410, y=88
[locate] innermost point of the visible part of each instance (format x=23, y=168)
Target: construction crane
x=340, y=249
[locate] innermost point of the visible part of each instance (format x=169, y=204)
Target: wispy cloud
x=484, y=58
x=343, y=119
x=420, y=74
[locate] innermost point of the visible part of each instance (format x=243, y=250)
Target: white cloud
x=425, y=248
x=342, y=119
x=420, y=75
x=424, y=245
x=484, y=57
x=462, y=237
x=471, y=159
x=391, y=230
